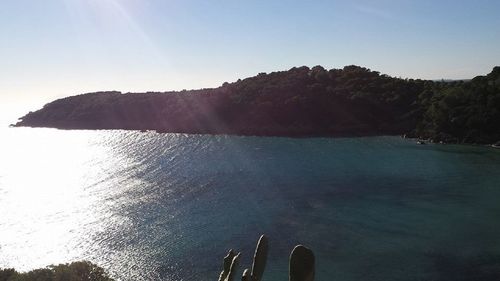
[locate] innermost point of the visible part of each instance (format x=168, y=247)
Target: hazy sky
x=54, y=48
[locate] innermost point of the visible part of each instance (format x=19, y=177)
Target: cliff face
x=352, y=101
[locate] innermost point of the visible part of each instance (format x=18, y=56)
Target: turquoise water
x=168, y=207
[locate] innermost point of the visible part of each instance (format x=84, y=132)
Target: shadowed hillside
x=353, y=101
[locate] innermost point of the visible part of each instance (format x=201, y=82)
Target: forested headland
x=300, y=102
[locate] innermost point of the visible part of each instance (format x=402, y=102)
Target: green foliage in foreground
x=301, y=266
x=76, y=271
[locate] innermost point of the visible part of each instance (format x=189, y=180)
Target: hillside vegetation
x=76, y=271
x=353, y=101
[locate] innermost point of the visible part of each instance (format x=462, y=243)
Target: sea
x=148, y=206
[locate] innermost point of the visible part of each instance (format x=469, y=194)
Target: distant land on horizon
x=300, y=102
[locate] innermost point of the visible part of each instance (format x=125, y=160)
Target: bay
x=149, y=206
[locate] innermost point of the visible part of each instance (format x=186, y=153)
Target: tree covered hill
x=353, y=101
x=462, y=111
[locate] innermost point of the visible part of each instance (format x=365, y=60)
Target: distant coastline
x=300, y=102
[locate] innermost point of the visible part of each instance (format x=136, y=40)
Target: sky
x=55, y=48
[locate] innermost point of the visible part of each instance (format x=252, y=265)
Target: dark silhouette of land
x=300, y=102
x=76, y=271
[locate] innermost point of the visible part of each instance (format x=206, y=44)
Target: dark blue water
x=168, y=207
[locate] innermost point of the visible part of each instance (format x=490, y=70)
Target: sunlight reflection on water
x=167, y=207
x=43, y=202
x=57, y=191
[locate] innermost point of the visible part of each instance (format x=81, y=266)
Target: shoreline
x=412, y=137
x=297, y=103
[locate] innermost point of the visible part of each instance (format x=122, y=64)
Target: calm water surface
x=168, y=207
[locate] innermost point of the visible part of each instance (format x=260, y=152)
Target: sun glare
x=112, y=17
x=34, y=188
